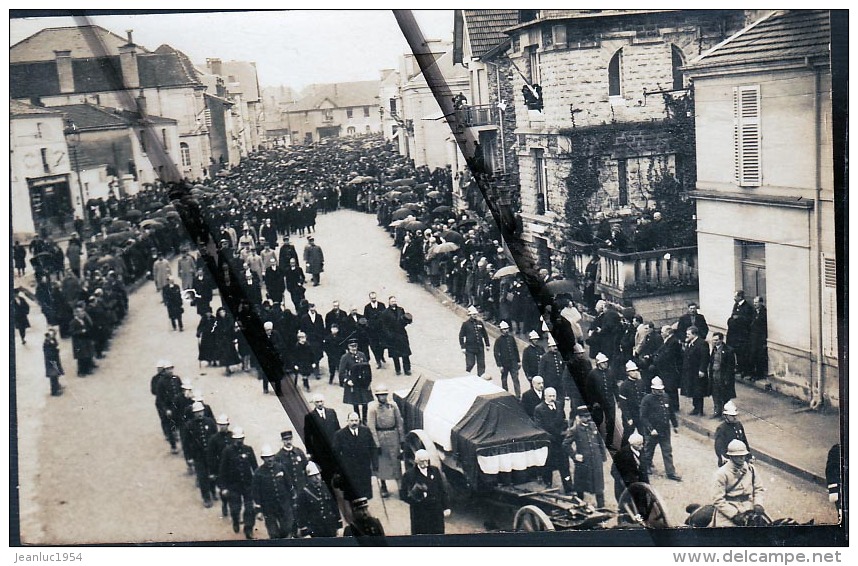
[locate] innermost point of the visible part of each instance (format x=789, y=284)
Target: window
x=746, y=136
x=615, y=69
x=366, y=111
x=392, y=105
x=488, y=144
x=829, y=307
x=752, y=268
x=368, y=129
x=328, y=114
x=164, y=139
x=677, y=61
x=540, y=173
x=349, y=112
x=186, y=154
x=533, y=62
x=351, y=130
x=45, y=166
x=622, y=183
x=143, y=141
x=38, y=130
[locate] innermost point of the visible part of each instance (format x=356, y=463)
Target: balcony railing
x=481, y=115
x=654, y=271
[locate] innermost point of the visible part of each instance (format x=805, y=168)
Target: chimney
x=141, y=104
x=64, y=71
x=128, y=63
x=215, y=66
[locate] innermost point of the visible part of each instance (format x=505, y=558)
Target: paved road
x=95, y=468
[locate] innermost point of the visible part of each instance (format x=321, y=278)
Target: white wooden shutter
x=747, y=149
x=829, y=307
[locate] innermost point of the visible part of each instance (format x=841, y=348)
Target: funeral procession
x=501, y=278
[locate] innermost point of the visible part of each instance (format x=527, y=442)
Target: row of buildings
x=92, y=113
x=724, y=116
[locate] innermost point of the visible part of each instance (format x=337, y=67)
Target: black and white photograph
x=459, y=277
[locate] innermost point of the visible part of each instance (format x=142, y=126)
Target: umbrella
x=443, y=248
x=173, y=215
x=169, y=208
x=133, y=214
x=506, y=271
x=413, y=225
x=355, y=181
x=408, y=197
x=433, y=194
x=412, y=206
x=397, y=223
x=392, y=194
x=441, y=210
x=119, y=237
x=151, y=206
x=401, y=213
x=118, y=226
x=197, y=192
x=421, y=186
x=155, y=223
x=466, y=223
x=105, y=259
x=453, y=236
x=562, y=286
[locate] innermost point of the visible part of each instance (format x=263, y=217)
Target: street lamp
x=72, y=134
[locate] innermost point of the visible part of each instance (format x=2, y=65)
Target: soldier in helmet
x=183, y=414
x=169, y=392
x=317, y=515
x=656, y=419
x=531, y=355
x=272, y=494
x=601, y=396
x=731, y=429
x=216, y=445
x=164, y=373
x=200, y=430
x=630, y=395
x=737, y=489
x=555, y=372
x=237, y=465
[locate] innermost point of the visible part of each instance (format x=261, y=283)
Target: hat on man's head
x=381, y=389
x=222, y=419
x=533, y=335
x=268, y=325
x=657, y=383
x=473, y=310
x=578, y=349
x=238, y=432
x=360, y=503
x=631, y=366
x=503, y=325
x=286, y=435
x=600, y=357
x=312, y=469
x=730, y=409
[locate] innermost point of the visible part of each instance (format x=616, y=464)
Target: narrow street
x=94, y=467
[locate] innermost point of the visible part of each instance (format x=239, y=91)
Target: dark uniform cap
x=286, y=434
x=360, y=503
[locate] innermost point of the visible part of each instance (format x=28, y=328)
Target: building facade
x=765, y=192
x=334, y=110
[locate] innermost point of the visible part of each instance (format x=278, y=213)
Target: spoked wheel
x=532, y=519
x=416, y=440
x=640, y=499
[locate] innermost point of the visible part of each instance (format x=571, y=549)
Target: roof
x=485, y=28
x=448, y=70
x=23, y=109
x=342, y=95
x=83, y=41
x=558, y=15
x=778, y=36
x=100, y=74
x=91, y=117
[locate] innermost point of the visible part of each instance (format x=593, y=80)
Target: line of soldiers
x=286, y=488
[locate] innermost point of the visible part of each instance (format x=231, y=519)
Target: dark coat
x=21, y=312
x=724, y=434
x=529, y=401
x=724, y=379
x=584, y=443
x=294, y=463
x=314, y=259
x=82, y=334
x=685, y=323
x=668, y=363
x=739, y=324
x=695, y=359
x=473, y=336
x=629, y=397
x=200, y=431
x=317, y=513
x=506, y=352
x=395, y=336
x=627, y=469
x=287, y=252
x=554, y=372
x=302, y=359
x=356, y=374
x=295, y=278
x=172, y=295
x=357, y=457
x=656, y=415
x=337, y=317
x=274, y=283
x=319, y=440
x=315, y=330
x=237, y=465
x=372, y=315
x=530, y=360
x=271, y=489
x=427, y=498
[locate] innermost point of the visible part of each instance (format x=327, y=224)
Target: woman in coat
x=584, y=445
x=207, y=342
x=224, y=332
x=21, y=312
x=53, y=363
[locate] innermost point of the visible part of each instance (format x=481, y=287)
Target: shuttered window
x=829, y=307
x=746, y=136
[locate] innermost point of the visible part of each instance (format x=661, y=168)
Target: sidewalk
x=782, y=431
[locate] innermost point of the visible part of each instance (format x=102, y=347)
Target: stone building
x=766, y=190
x=241, y=84
x=590, y=89
x=91, y=65
x=334, y=110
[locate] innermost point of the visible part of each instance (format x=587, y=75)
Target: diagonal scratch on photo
x=484, y=277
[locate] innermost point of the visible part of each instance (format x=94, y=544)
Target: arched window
x=351, y=131
x=186, y=154
x=678, y=60
x=614, y=73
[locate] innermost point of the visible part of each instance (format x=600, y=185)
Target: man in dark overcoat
x=238, y=462
x=201, y=428
x=320, y=425
x=393, y=320
x=722, y=372
x=81, y=332
x=695, y=370
x=586, y=448
x=372, y=313
x=627, y=467
x=272, y=494
x=507, y=358
x=473, y=338
x=314, y=259
x=739, y=331
x=424, y=490
x=550, y=417
x=317, y=514
x=668, y=365
x=357, y=456
x=531, y=355
x=172, y=297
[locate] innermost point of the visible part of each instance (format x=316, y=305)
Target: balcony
x=481, y=115
x=655, y=272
